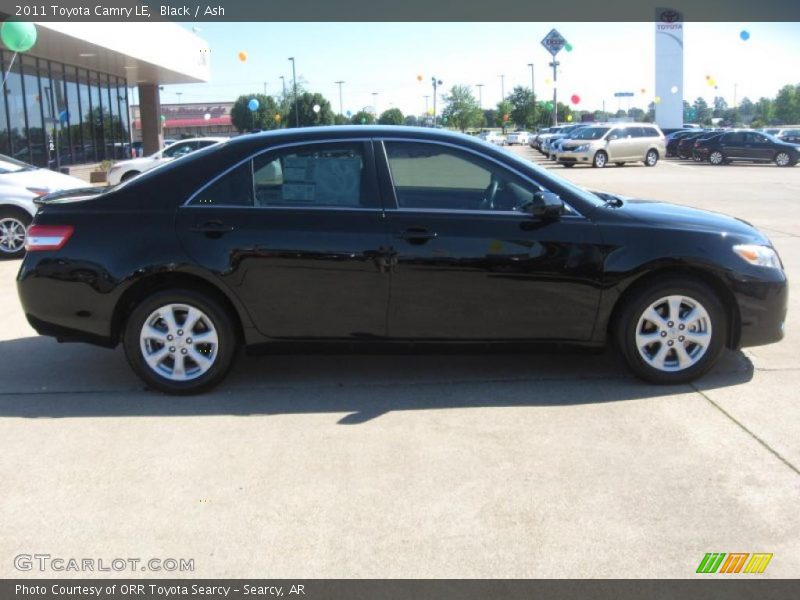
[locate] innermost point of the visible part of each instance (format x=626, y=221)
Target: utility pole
x=502, y=88
x=375, y=103
x=480, y=94
x=533, y=95
x=426, y=106
x=436, y=83
x=555, y=64
x=341, y=109
x=294, y=80
x=283, y=85
x=265, y=88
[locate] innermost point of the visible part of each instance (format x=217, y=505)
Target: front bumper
x=762, y=310
x=571, y=156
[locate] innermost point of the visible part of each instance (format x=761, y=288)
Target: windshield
x=12, y=165
x=590, y=133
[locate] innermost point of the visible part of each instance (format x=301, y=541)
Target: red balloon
x=575, y=99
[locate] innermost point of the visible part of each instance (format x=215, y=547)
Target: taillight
x=47, y=237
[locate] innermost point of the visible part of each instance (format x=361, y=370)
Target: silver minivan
x=619, y=143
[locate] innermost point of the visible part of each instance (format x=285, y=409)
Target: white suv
x=129, y=168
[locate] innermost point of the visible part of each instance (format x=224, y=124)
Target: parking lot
x=399, y=465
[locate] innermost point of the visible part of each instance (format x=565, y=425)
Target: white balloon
x=674, y=89
x=316, y=108
x=207, y=116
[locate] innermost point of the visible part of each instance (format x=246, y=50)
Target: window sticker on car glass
x=322, y=180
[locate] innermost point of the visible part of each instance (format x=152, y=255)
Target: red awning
x=198, y=122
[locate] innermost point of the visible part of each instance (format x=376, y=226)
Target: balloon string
x=8, y=71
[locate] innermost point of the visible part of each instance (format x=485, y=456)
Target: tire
x=568, y=165
x=716, y=158
x=600, y=159
x=651, y=158
x=782, y=159
x=705, y=319
x=146, y=319
x=13, y=229
x=129, y=175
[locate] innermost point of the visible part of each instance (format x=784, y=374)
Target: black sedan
x=752, y=146
x=365, y=234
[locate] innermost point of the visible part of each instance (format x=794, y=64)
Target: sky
x=387, y=58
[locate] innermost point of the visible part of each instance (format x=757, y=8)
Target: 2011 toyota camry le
x=388, y=234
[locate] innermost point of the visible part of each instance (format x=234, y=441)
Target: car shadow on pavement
x=45, y=379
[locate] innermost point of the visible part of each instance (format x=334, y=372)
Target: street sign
x=623, y=94
x=553, y=42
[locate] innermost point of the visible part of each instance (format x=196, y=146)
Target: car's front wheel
x=782, y=159
x=716, y=158
x=180, y=341
x=600, y=159
x=13, y=229
x=672, y=331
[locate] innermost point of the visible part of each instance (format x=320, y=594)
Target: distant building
x=189, y=120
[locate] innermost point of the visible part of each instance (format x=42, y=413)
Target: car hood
x=666, y=215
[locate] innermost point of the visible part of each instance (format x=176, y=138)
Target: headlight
x=762, y=256
x=582, y=148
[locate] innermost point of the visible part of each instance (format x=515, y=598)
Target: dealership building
x=66, y=100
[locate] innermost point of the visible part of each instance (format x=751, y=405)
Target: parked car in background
x=544, y=135
x=492, y=137
x=518, y=137
x=554, y=143
x=752, y=146
x=700, y=146
x=620, y=143
x=790, y=133
x=673, y=138
x=364, y=233
x=686, y=143
x=20, y=184
x=125, y=169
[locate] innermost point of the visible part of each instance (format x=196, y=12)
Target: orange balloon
x=242, y=56
x=419, y=77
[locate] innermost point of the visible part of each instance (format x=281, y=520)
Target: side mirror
x=547, y=206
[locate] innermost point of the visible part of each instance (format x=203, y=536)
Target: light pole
x=480, y=94
x=341, y=110
x=283, y=85
x=375, y=103
x=533, y=95
x=294, y=83
x=502, y=87
x=555, y=64
x=436, y=83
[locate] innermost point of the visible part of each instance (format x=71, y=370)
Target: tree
x=363, y=117
x=489, y=117
x=504, y=108
x=461, y=108
x=702, y=111
x=411, y=121
x=392, y=116
x=523, y=111
x=307, y=115
x=720, y=106
x=340, y=120
x=764, y=112
x=746, y=109
x=787, y=105
x=637, y=114
x=264, y=118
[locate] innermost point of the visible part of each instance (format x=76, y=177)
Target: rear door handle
x=213, y=227
x=417, y=234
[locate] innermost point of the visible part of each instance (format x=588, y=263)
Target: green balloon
x=363, y=120
x=568, y=47
x=18, y=36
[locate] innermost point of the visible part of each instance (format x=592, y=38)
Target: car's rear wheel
x=13, y=229
x=568, y=165
x=651, y=158
x=716, y=158
x=129, y=175
x=782, y=159
x=672, y=331
x=180, y=341
x=600, y=159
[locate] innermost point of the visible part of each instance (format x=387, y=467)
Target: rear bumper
x=762, y=311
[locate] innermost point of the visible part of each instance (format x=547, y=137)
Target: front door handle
x=213, y=227
x=417, y=235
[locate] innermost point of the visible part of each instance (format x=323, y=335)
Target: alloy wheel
x=600, y=160
x=651, y=159
x=12, y=235
x=673, y=333
x=179, y=342
x=716, y=158
x=782, y=159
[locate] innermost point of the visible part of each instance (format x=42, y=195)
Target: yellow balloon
x=569, y=117
x=657, y=100
x=242, y=56
x=430, y=111
x=548, y=81
x=712, y=82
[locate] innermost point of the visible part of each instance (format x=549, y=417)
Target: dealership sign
x=554, y=42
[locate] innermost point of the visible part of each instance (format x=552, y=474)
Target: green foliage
x=461, y=108
x=363, y=117
x=305, y=110
x=264, y=118
x=411, y=121
x=504, y=107
x=393, y=116
x=787, y=105
x=340, y=120
x=523, y=111
x=702, y=113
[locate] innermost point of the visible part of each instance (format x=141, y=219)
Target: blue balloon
x=253, y=104
x=63, y=116
x=745, y=35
